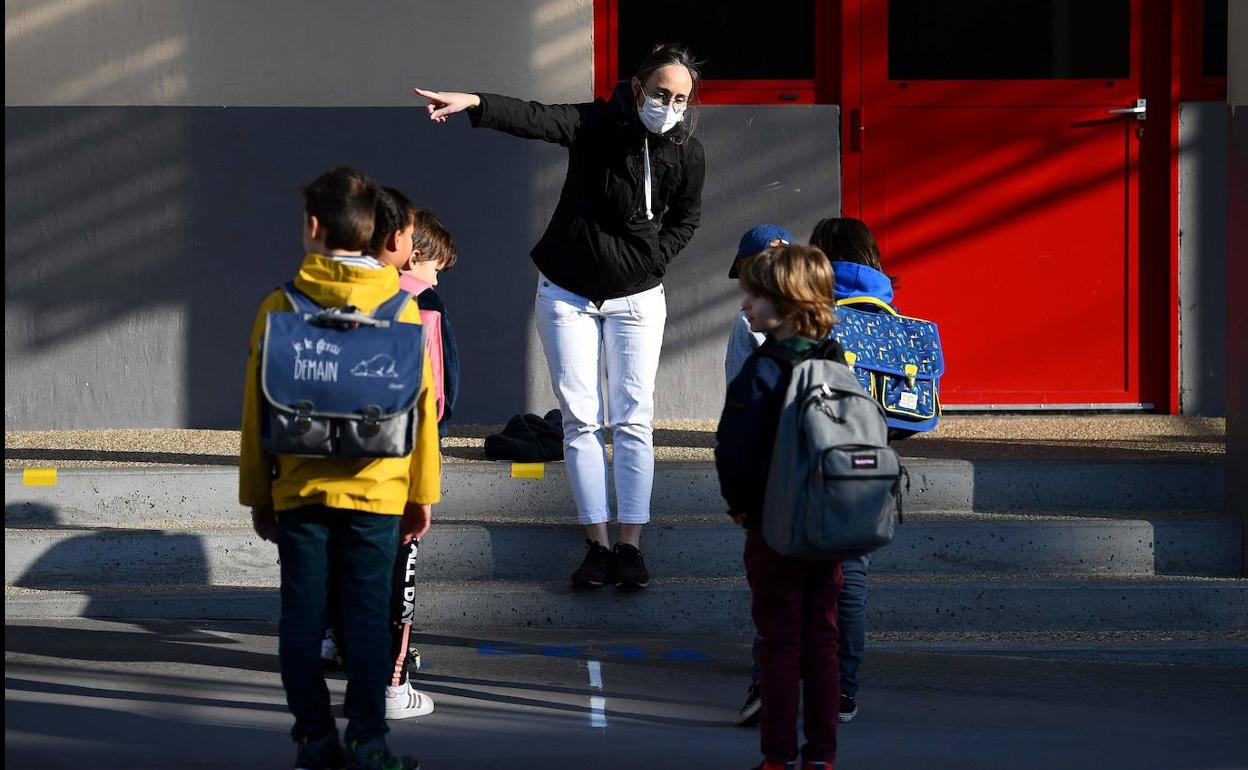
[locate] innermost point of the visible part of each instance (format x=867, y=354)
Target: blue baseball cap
x=756, y=239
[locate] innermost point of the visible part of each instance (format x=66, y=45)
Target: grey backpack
x=834, y=487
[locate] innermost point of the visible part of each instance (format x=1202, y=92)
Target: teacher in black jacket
x=631, y=201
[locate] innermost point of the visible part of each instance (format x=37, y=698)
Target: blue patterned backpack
x=896, y=358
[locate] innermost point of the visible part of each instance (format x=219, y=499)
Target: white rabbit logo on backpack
x=380, y=365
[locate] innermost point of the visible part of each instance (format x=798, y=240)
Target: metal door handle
x=1140, y=110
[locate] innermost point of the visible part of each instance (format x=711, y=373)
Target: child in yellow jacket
x=339, y=517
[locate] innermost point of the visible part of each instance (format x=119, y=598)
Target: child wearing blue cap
x=741, y=341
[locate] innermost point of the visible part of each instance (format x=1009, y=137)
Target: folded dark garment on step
x=528, y=439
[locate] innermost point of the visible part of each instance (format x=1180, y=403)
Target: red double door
x=994, y=150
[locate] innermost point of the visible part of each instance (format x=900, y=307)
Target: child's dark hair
x=344, y=202
x=848, y=240
x=798, y=281
x=391, y=214
x=845, y=239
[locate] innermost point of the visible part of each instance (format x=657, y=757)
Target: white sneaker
x=405, y=701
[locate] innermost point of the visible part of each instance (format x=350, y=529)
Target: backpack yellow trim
x=874, y=301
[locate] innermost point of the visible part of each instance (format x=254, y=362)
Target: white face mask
x=656, y=117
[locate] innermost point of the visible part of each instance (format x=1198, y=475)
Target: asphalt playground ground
x=128, y=695
x=133, y=695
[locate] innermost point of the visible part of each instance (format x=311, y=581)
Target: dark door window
x=754, y=52
x=738, y=40
x=1014, y=40
x=1213, y=48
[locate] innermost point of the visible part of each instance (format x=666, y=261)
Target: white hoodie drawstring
x=645, y=166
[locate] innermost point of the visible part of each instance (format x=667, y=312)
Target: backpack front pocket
x=857, y=499
x=913, y=401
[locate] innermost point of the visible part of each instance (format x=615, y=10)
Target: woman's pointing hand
x=443, y=104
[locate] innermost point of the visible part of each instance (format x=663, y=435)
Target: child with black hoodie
x=789, y=297
x=856, y=272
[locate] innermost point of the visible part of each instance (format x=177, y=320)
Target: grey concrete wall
x=1202, y=258
x=136, y=253
x=141, y=230
x=138, y=242
x=1237, y=273
x=365, y=53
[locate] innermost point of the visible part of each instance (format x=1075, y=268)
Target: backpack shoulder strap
x=301, y=302
x=782, y=353
x=391, y=309
x=429, y=300
x=831, y=350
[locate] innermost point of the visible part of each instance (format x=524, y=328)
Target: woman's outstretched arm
x=558, y=123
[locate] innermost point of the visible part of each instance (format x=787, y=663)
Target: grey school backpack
x=834, y=488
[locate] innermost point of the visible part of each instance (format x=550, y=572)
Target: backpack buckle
x=912, y=373
x=303, y=417
x=371, y=424
x=341, y=318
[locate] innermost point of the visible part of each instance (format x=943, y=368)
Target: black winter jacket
x=599, y=243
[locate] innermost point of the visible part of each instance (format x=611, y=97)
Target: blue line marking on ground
x=563, y=651
x=497, y=648
x=632, y=653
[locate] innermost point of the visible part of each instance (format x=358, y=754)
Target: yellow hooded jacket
x=375, y=485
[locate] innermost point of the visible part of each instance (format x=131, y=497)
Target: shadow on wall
x=141, y=240
x=100, y=271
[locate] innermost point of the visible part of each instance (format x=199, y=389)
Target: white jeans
x=626, y=334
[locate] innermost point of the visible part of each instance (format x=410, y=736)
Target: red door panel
x=1008, y=208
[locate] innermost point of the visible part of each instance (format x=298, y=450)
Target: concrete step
x=158, y=497
x=72, y=558
x=935, y=605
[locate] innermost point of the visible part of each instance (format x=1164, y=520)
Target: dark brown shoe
x=630, y=568
x=597, y=569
